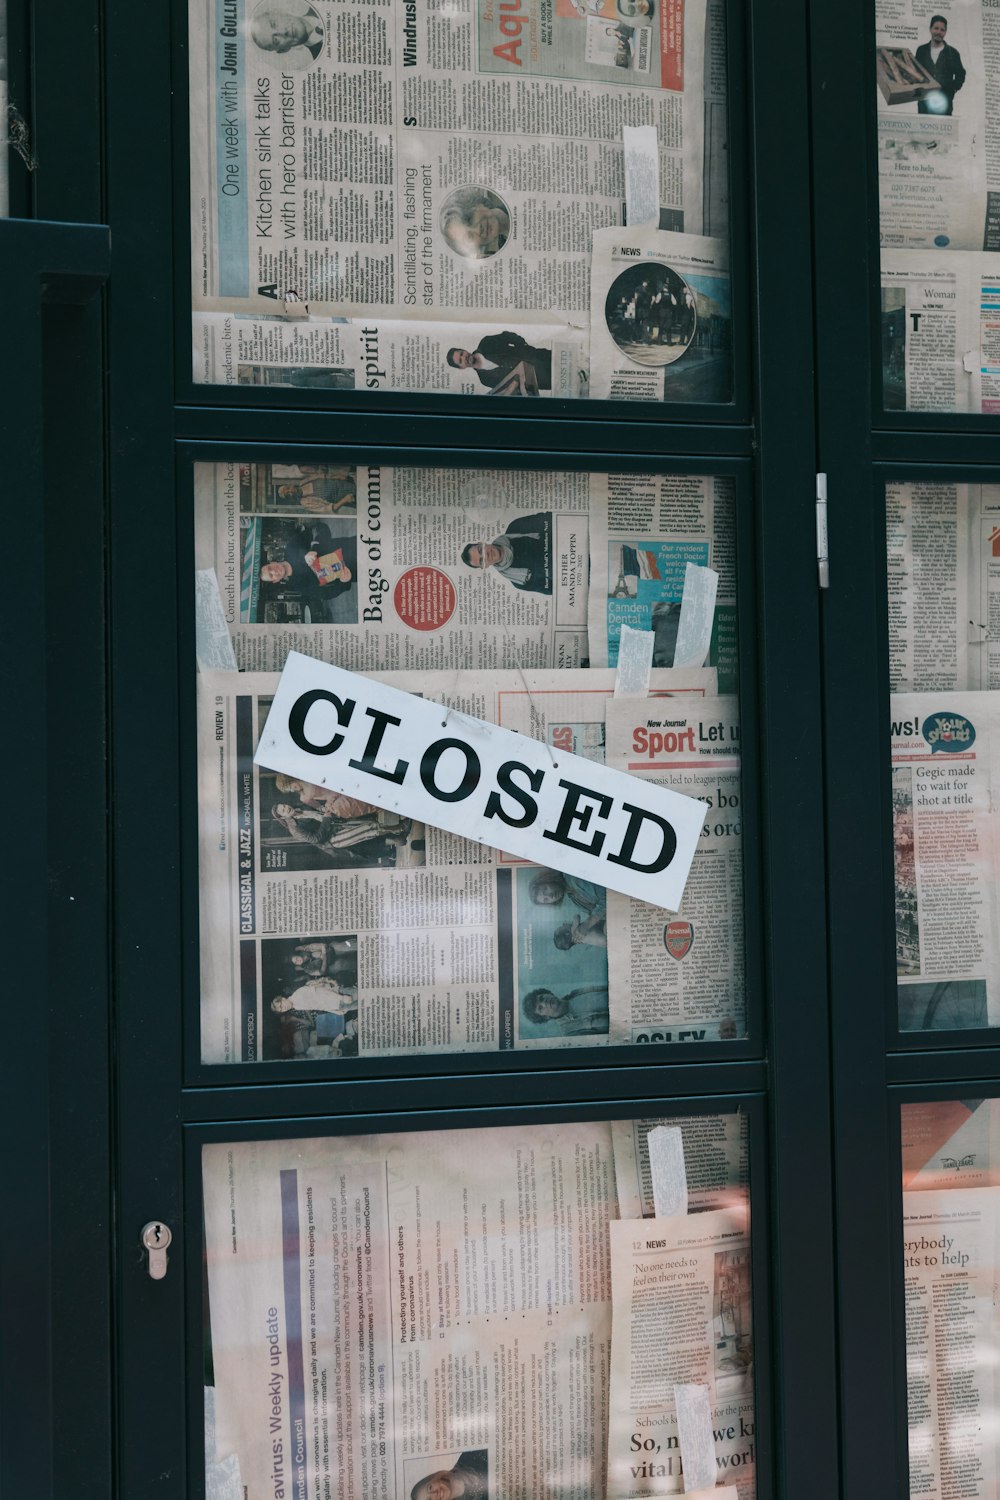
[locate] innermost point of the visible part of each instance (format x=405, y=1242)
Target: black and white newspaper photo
x=685, y=970
x=331, y=928
x=660, y=317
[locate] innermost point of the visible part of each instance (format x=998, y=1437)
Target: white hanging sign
x=351, y=734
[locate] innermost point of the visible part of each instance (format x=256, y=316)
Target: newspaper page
x=952, y=1349
x=410, y=164
x=642, y=536
x=949, y=1143
x=660, y=317
x=944, y=859
x=940, y=323
x=682, y=1316
x=332, y=929
x=938, y=124
x=715, y=1162
x=943, y=549
x=383, y=569
x=514, y=358
x=685, y=971
x=383, y=1309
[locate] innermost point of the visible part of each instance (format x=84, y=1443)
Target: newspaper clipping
x=944, y=856
x=685, y=976
x=382, y=569
x=943, y=546
x=938, y=124
x=660, y=317
x=940, y=330
x=385, y=181
x=682, y=1316
x=331, y=928
x=386, y=1316
x=715, y=1163
x=951, y=1256
x=642, y=538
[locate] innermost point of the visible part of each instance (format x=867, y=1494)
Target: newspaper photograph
x=660, y=317
x=950, y=1254
x=513, y=358
x=641, y=539
x=949, y=1143
x=405, y=164
x=939, y=166
x=681, y=1317
x=384, y=569
x=945, y=859
x=943, y=550
x=715, y=1149
x=333, y=929
x=940, y=328
x=685, y=970
x=383, y=1312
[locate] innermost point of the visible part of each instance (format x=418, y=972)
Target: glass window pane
x=332, y=928
x=479, y=1313
x=496, y=199
x=939, y=206
x=950, y=1181
x=944, y=573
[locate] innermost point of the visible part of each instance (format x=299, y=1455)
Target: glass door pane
x=943, y=543
x=939, y=206
x=332, y=928
x=482, y=1313
x=499, y=198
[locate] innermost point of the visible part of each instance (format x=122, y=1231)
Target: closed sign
x=346, y=732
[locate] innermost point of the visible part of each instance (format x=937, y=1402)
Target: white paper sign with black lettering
x=389, y=748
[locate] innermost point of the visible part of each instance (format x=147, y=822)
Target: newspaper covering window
x=660, y=317
x=940, y=329
x=332, y=929
x=939, y=164
x=943, y=548
x=403, y=197
x=393, y=568
x=950, y=1258
x=685, y=970
x=944, y=857
x=642, y=538
x=939, y=204
x=389, y=1318
x=682, y=1316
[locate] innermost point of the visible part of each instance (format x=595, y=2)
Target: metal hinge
x=822, y=542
